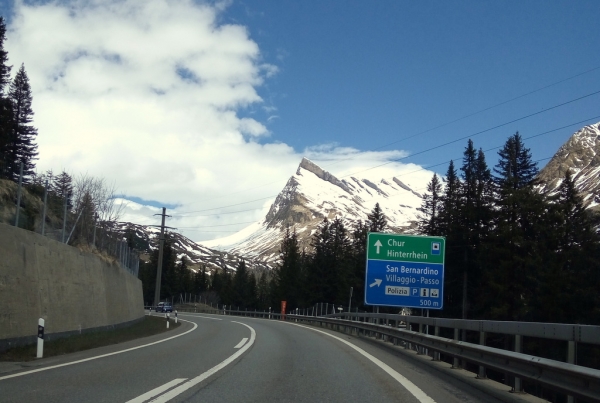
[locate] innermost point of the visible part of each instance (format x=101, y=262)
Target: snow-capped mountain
x=581, y=155
x=146, y=239
x=313, y=194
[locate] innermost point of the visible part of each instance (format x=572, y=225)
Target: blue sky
x=365, y=74
x=210, y=106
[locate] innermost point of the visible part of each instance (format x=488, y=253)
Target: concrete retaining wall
x=70, y=289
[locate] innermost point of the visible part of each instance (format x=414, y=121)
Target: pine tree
x=62, y=186
x=339, y=274
x=450, y=227
x=449, y=214
x=183, y=278
x=288, y=274
x=251, y=292
x=516, y=169
x=226, y=293
x=4, y=67
x=240, y=286
x=319, y=262
x=359, y=258
x=262, y=291
x=147, y=275
x=431, y=206
x=22, y=148
x=6, y=118
x=569, y=282
x=377, y=220
x=200, y=281
x=217, y=282
x=521, y=237
x=474, y=220
x=6, y=110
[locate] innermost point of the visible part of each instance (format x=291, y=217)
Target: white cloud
x=147, y=94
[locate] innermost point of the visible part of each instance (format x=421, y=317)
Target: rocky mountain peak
x=320, y=173
x=313, y=194
x=581, y=156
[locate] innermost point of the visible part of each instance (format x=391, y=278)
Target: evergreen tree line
x=176, y=277
x=89, y=200
x=336, y=263
x=513, y=252
x=17, y=133
x=333, y=266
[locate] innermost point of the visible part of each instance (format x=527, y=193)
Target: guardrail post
x=387, y=323
x=436, y=354
x=420, y=348
x=571, y=348
x=407, y=344
x=481, y=374
x=455, y=361
x=518, y=388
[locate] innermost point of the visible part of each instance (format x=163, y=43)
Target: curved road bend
x=233, y=359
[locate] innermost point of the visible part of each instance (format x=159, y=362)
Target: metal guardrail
x=565, y=377
x=552, y=331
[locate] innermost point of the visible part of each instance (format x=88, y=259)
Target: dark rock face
x=581, y=156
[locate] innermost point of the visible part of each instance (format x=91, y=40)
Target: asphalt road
x=233, y=359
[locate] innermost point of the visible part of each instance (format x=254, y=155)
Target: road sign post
x=405, y=271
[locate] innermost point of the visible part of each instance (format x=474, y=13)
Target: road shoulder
x=8, y=368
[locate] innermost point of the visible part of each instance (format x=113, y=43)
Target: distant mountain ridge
x=313, y=194
x=146, y=239
x=581, y=156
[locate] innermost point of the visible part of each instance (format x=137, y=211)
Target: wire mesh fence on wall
x=44, y=210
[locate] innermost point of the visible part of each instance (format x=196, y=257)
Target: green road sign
x=405, y=271
x=406, y=248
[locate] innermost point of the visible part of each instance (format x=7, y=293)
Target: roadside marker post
x=405, y=271
x=176, y=316
x=40, y=340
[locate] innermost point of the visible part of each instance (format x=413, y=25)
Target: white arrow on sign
x=378, y=245
x=376, y=283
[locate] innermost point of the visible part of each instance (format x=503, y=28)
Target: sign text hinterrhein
x=405, y=271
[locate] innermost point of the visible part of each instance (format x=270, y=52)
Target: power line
x=494, y=148
x=210, y=232
x=479, y=111
x=231, y=205
x=434, y=165
x=431, y=148
x=212, y=215
x=222, y=225
x=478, y=133
x=436, y=127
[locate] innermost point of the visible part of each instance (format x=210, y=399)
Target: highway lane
x=285, y=363
x=122, y=377
x=290, y=363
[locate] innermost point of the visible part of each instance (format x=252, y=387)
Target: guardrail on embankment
x=565, y=377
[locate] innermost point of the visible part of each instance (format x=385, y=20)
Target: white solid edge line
x=197, y=316
x=194, y=381
x=241, y=343
x=408, y=385
x=156, y=391
x=99, y=356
